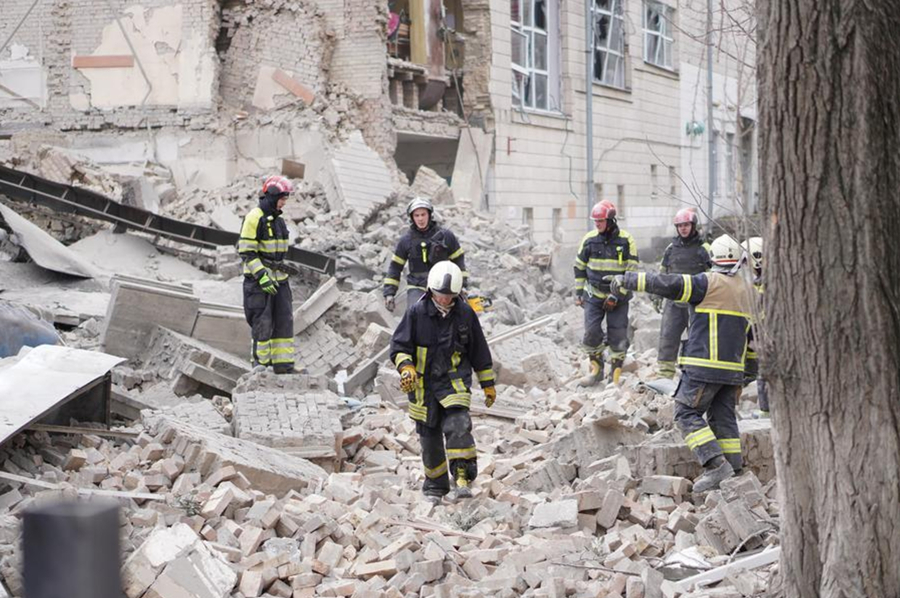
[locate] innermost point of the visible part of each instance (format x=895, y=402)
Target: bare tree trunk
x=830, y=116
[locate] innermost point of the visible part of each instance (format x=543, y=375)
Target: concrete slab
x=135, y=310
x=318, y=303
x=46, y=251
x=64, y=374
x=223, y=328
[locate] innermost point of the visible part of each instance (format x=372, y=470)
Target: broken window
x=609, y=42
x=530, y=52
x=658, y=40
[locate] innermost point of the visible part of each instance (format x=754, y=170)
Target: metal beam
x=26, y=187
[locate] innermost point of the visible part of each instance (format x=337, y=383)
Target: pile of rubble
x=558, y=510
x=238, y=483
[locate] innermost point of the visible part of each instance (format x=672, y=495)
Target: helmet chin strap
x=445, y=311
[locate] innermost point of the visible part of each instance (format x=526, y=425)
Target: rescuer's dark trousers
x=718, y=433
x=454, y=431
x=271, y=323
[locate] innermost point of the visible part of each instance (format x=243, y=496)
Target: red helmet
x=604, y=210
x=686, y=216
x=277, y=185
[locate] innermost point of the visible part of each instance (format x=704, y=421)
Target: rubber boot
x=434, y=499
x=616, y=370
x=462, y=484
x=715, y=472
x=596, y=373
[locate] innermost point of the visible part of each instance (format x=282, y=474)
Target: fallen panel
x=46, y=251
x=135, y=310
x=60, y=382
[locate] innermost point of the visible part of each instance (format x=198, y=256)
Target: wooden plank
x=84, y=491
x=761, y=559
x=293, y=86
x=82, y=430
x=430, y=527
x=102, y=62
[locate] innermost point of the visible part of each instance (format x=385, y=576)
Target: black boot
x=717, y=470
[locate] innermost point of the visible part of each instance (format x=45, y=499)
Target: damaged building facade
x=490, y=94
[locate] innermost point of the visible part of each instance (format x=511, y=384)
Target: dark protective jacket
x=264, y=236
x=603, y=254
x=716, y=348
x=446, y=352
x=686, y=256
x=422, y=250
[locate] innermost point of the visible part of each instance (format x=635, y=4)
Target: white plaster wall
x=539, y=158
x=178, y=61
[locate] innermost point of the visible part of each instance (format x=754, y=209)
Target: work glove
x=616, y=283
x=490, y=395
x=267, y=284
x=408, y=378
x=389, y=303
x=579, y=300
x=657, y=302
x=610, y=303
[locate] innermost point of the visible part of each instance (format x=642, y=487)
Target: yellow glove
x=408, y=378
x=490, y=395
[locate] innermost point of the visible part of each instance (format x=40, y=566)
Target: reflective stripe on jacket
x=422, y=250
x=263, y=237
x=603, y=254
x=447, y=353
x=716, y=349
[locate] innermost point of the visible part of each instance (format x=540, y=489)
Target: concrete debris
x=236, y=482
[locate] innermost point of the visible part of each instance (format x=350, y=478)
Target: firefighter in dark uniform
x=713, y=358
x=605, y=251
x=754, y=250
x=439, y=348
x=686, y=254
x=262, y=246
x=422, y=246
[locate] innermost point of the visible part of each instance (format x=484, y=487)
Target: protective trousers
x=271, y=324
x=675, y=319
x=454, y=428
x=717, y=434
x=595, y=341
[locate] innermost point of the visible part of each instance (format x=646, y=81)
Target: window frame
x=616, y=17
x=665, y=35
x=524, y=87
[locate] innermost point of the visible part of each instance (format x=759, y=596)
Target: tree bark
x=830, y=151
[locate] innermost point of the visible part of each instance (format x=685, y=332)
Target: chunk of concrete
x=317, y=304
x=268, y=470
x=135, y=310
x=561, y=513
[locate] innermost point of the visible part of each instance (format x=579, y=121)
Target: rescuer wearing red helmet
x=605, y=251
x=263, y=245
x=686, y=254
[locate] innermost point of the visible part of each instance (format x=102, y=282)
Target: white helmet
x=754, y=248
x=725, y=252
x=446, y=278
